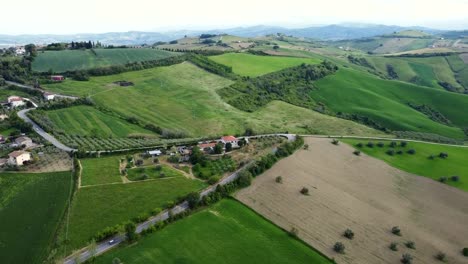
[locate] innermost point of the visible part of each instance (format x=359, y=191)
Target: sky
x=98, y=16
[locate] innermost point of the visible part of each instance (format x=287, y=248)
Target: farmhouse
x=15, y=101
x=18, y=158
x=24, y=141
x=230, y=139
x=49, y=96
x=57, y=78
x=155, y=152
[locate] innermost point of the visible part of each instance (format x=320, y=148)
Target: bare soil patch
x=365, y=195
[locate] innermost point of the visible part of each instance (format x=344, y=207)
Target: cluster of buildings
x=21, y=156
x=15, y=101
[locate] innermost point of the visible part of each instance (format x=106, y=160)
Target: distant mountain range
x=329, y=32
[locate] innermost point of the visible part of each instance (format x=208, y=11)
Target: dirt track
x=366, y=195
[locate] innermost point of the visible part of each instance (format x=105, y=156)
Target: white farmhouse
x=49, y=96
x=230, y=139
x=18, y=158
x=15, y=101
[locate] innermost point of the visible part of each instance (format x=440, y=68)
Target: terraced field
x=171, y=97
x=31, y=207
x=252, y=65
x=69, y=60
x=228, y=227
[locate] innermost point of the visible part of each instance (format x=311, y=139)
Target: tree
x=31, y=50
x=393, y=144
x=218, y=148
x=396, y=231
x=197, y=156
x=335, y=141
x=441, y=256
x=380, y=144
x=306, y=146
x=443, y=155
x=410, y=244
x=245, y=178
x=279, y=179
x=116, y=261
x=193, y=199
x=304, y=191
x=406, y=259
x=249, y=132
x=228, y=147
x=393, y=246
x=455, y=178
x=411, y=151
x=370, y=144
x=443, y=179
x=465, y=252
x=130, y=229
x=276, y=47
x=390, y=152
x=339, y=247
x=348, y=233
x=359, y=145
x=357, y=152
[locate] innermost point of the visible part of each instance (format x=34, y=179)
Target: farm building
x=24, y=141
x=230, y=139
x=207, y=147
x=57, y=78
x=49, y=96
x=18, y=157
x=15, y=101
x=155, y=152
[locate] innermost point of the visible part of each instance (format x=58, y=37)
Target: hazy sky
x=93, y=16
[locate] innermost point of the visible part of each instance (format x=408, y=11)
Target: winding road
x=40, y=90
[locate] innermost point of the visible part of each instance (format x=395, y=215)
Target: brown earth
x=367, y=196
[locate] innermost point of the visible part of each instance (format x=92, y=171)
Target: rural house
x=49, y=96
x=155, y=152
x=17, y=158
x=230, y=139
x=24, y=141
x=57, y=78
x=15, y=101
x=207, y=147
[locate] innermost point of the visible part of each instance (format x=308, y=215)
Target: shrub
x=455, y=178
x=393, y=246
x=443, y=179
x=348, y=233
x=465, y=252
x=279, y=179
x=335, y=141
x=441, y=256
x=294, y=232
x=359, y=145
x=390, y=152
x=410, y=244
x=403, y=144
x=406, y=259
x=380, y=144
x=304, y=191
x=399, y=152
x=370, y=144
x=393, y=144
x=431, y=157
x=443, y=155
x=396, y=231
x=306, y=146
x=339, y=247
x=357, y=152
x=212, y=180
x=411, y=151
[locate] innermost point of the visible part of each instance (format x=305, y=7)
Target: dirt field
x=367, y=196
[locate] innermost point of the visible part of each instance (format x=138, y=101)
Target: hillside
x=70, y=60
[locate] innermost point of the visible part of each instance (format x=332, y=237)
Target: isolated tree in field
x=431, y=157
x=441, y=256
x=357, y=152
x=335, y=141
x=359, y=145
x=396, y=231
x=399, y=152
x=390, y=152
x=306, y=146
x=393, y=246
x=304, y=191
x=403, y=144
x=228, y=147
x=130, y=229
x=455, y=178
x=443, y=155
x=276, y=47
x=279, y=179
x=443, y=179
x=380, y=144
x=339, y=247
x=393, y=144
x=410, y=244
x=245, y=178
x=348, y=233
x=411, y=151
x=193, y=199
x=406, y=259
x=370, y=144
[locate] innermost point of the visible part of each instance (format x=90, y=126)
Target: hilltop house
x=49, y=96
x=24, y=141
x=17, y=158
x=15, y=101
x=230, y=139
x=57, y=78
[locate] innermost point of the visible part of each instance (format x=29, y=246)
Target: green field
x=420, y=164
x=88, y=121
x=227, y=232
x=95, y=208
x=152, y=172
x=69, y=60
x=252, y=65
x=31, y=207
x=100, y=170
x=172, y=97
x=386, y=102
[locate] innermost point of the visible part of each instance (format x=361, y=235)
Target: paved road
x=42, y=91
x=41, y=132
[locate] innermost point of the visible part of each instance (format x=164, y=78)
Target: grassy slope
x=30, y=209
x=100, y=170
x=419, y=163
x=174, y=96
x=252, y=65
x=227, y=232
x=88, y=121
x=95, y=208
x=66, y=60
x=386, y=102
